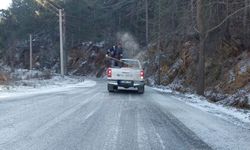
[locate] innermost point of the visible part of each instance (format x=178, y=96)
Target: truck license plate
x=125, y=82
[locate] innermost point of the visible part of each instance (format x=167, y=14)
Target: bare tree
x=246, y=3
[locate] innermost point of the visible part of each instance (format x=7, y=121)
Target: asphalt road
x=93, y=119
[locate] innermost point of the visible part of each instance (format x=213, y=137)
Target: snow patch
x=23, y=74
x=90, y=43
x=232, y=76
x=238, y=117
x=36, y=86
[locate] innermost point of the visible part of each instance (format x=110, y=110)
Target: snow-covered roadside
x=37, y=86
x=236, y=116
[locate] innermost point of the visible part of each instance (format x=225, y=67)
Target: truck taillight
x=109, y=72
x=142, y=74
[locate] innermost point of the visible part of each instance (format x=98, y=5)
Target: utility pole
x=159, y=42
x=64, y=42
x=147, y=29
x=60, y=12
x=31, y=52
x=61, y=41
x=202, y=29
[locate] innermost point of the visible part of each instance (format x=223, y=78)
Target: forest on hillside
x=147, y=20
x=185, y=44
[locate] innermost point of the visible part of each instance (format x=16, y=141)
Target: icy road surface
x=90, y=118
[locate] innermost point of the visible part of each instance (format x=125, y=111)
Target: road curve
x=83, y=118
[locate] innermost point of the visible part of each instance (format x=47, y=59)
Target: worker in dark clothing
x=115, y=52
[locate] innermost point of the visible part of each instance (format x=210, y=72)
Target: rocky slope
x=227, y=72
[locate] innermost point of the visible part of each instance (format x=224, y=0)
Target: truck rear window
x=130, y=64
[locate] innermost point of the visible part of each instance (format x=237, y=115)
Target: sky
x=4, y=4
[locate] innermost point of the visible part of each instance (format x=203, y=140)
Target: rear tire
x=110, y=88
x=115, y=88
x=141, y=89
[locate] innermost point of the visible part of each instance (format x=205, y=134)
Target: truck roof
x=131, y=59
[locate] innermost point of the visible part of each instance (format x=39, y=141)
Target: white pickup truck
x=129, y=75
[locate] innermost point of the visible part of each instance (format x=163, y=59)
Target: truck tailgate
x=126, y=74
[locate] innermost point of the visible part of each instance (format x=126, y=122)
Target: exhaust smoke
x=130, y=45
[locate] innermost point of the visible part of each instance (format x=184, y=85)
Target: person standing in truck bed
x=115, y=52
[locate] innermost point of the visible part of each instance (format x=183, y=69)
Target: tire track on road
x=64, y=115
